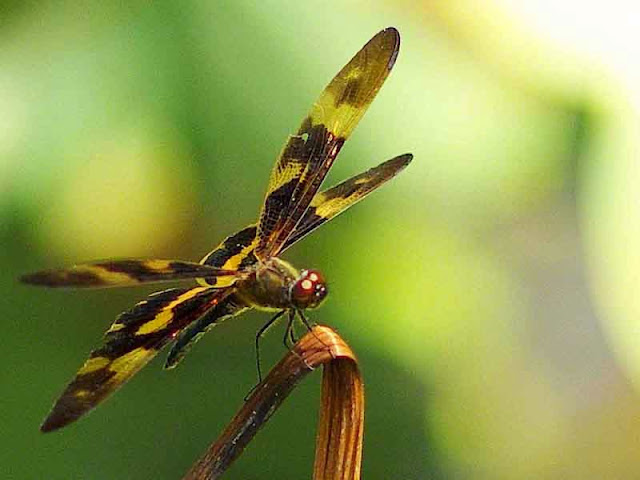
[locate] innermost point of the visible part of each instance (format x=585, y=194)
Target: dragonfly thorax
x=277, y=285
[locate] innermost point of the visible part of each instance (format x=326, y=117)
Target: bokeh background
x=490, y=291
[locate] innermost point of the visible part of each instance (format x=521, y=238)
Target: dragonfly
x=244, y=271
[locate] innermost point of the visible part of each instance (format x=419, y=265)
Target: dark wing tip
x=398, y=163
x=58, y=419
x=405, y=158
x=391, y=39
x=45, y=278
x=62, y=278
x=386, y=40
x=49, y=426
x=32, y=278
x=67, y=409
x=391, y=32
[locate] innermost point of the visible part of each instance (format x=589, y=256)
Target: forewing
x=121, y=273
x=134, y=338
x=331, y=202
x=308, y=155
x=236, y=252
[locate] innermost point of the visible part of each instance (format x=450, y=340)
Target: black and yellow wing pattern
x=330, y=203
x=123, y=273
x=131, y=342
x=292, y=209
x=309, y=154
x=228, y=307
x=237, y=251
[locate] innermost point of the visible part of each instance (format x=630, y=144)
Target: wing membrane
x=308, y=155
x=121, y=273
x=332, y=202
x=134, y=338
x=227, y=308
x=236, y=252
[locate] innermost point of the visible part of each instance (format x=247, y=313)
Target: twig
x=341, y=421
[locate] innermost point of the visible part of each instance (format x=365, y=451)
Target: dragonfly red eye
x=309, y=290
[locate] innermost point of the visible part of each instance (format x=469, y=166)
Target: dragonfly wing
x=121, y=273
x=330, y=203
x=236, y=252
x=309, y=154
x=227, y=308
x=134, y=338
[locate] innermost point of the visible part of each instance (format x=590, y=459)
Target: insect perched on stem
x=244, y=271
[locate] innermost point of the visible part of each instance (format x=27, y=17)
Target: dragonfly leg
x=259, y=335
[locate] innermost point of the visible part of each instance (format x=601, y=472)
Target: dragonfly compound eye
x=309, y=290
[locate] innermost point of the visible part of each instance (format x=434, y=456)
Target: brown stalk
x=341, y=421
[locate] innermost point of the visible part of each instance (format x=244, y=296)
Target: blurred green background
x=490, y=290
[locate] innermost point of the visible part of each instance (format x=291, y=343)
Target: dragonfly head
x=309, y=290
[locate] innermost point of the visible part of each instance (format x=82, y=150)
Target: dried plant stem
x=340, y=430
x=341, y=423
